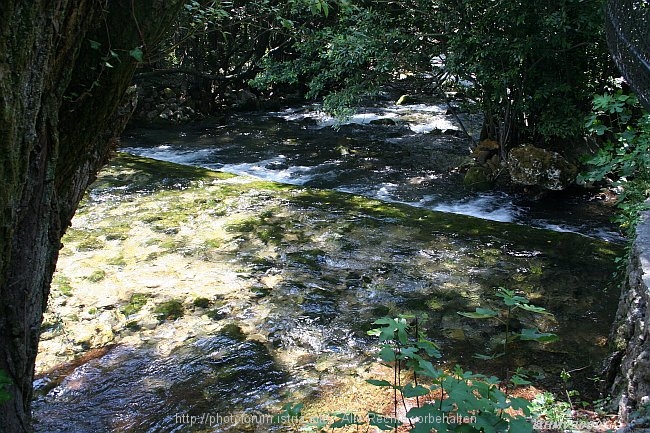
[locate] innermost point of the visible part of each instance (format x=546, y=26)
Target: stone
x=478, y=178
x=404, y=99
x=533, y=166
x=627, y=371
x=246, y=100
x=383, y=122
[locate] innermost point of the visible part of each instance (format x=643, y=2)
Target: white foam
x=168, y=153
x=294, y=175
x=487, y=207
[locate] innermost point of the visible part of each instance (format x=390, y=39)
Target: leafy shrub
x=512, y=302
x=622, y=129
x=457, y=401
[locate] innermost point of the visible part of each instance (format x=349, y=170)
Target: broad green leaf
x=293, y=409
x=378, y=382
x=520, y=425
x=534, y=335
x=488, y=357
x=345, y=419
x=466, y=428
x=480, y=313
x=428, y=418
x=426, y=368
x=94, y=44
x=533, y=309
x=429, y=347
x=510, y=299
x=409, y=352
x=387, y=354
x=375, y=332
x=488, y=422
x=518, y=380
x=411, y=390
x=520, y=404
x=137, y=54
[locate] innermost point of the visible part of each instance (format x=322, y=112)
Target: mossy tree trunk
x=65, y=68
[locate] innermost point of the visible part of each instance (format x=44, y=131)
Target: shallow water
x=294, y=277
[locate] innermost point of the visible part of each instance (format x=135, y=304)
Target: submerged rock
x=478, y=178
x=530, y=165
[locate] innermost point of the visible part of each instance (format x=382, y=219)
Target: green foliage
x=352, y=50
x=457, y=401
x=513, y=303
x=5, y=382
x=622, y=129
x=532, y=64
x=545, y=406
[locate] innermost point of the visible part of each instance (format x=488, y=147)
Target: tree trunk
x=59, y=118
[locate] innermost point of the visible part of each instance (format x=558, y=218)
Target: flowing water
x=413, y=160
x=292, y=275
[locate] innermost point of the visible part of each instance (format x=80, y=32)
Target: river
x=183, y=295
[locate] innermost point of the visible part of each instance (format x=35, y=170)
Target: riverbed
x=183, y=291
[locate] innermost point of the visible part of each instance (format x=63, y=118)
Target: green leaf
x=520, y=404
x=430, y=348
x=289, y=411
x=378, y=382
x=480, y=313
x=411, y=390
x=518, y=380
x=520, y=425
x=383, y=422
x=94, y=44
x=426, y=368
x=137, y=54
x=345, y=419
x=428, y=418
x=387, y=354
x=510, y=299
x=375, y=332
x=287, y=24
x=534, y=335
x=533, y=309
x=488, y=357
x=293, y=409
x=409, y=353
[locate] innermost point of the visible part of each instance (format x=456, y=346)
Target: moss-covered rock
x=478, y=178
x=530, y=165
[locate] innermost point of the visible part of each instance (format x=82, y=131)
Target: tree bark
x=60, y=99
